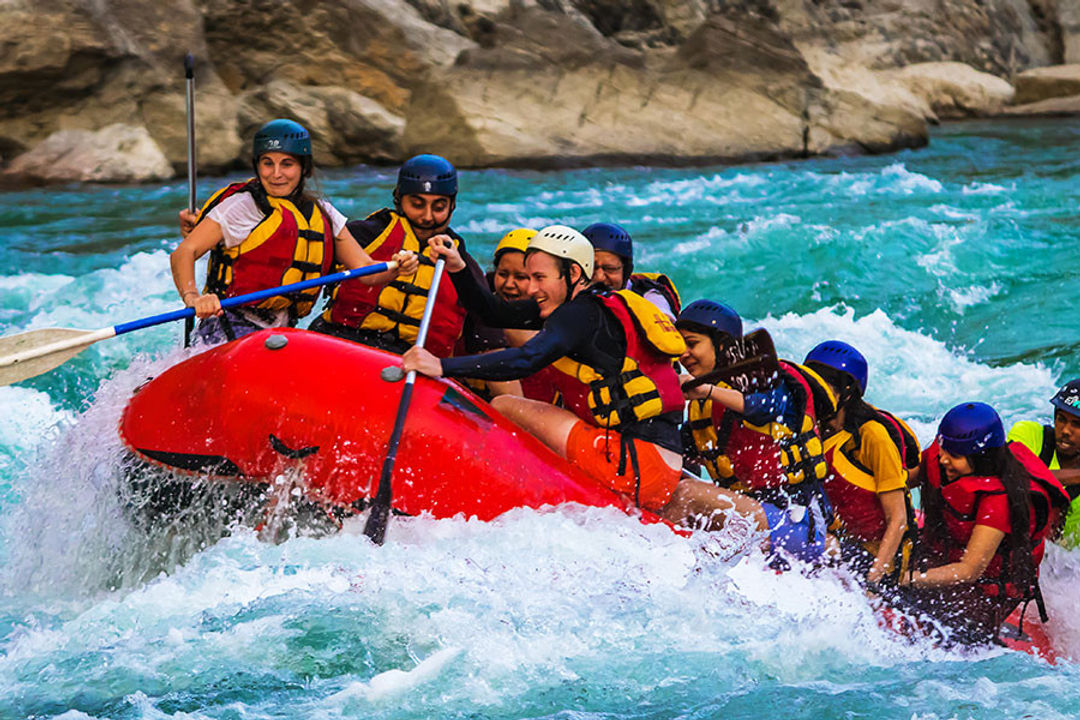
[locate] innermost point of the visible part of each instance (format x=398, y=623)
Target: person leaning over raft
x=389, y=317
x=266, y=232
x=613, y=351
x=988, y=506
x=1058, y=446
x=870, y=453
x=614, y=256
x=746, y=440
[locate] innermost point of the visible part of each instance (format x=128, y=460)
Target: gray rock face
x=522, y=82
x=116, y=153
x=1047, y=82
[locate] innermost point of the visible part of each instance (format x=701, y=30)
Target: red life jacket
x=961, y=500
x=851, y=486
x=645, y=387
x=770, y=456
x=291, y=244
x=397, y=307
x=738, y=455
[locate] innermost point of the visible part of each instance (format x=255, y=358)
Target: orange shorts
x=596, y=451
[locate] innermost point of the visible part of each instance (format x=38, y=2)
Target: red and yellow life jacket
x=642, y=283
x=397, y=307
x=851, y=486
x=646, y=385
x=961, y=499
x=291, y=244
x=753, y=458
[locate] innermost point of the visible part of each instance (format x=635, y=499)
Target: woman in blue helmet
x=266, y=232
x=989, y=506
x=870, y=453
x=746, y=440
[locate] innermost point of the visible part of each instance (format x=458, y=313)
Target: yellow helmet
x=565, y=242
x=516, y=240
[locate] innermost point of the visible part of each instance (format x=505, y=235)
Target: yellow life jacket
x=397, y=307
x=755, y=458
x=646, y=385
x=291, y=244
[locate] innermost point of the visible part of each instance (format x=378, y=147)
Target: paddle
x=189, y=76
x=375, y=527
x=748, y=365
x=36, y=352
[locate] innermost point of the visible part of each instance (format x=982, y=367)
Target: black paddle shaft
x=375, y=527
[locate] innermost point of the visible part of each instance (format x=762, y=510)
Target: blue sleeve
x=568, y=328
x=760, y=408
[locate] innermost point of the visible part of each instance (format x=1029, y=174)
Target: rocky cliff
x=94, y=89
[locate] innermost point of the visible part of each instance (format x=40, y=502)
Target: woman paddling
x=870, y=453
x=266, y=232
x=989, y=507
x=761, y=443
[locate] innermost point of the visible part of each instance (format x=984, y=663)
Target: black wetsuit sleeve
x=569, y=328
x=491, y=309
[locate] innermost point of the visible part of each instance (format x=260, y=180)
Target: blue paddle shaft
x=253, y=297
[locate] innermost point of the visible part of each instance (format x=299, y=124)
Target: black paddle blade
x=375, y=527
x=748, y=365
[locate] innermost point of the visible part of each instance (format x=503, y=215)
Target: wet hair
x=1001, y=463
x=857, y=412
x=300, y=196
x=720, y=340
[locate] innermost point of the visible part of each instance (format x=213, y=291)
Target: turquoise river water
x=951, y=267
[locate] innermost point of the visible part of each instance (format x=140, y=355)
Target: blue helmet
x=1067, y=398
x=612, y=238
x=712, y=317
x=971, y=428
x=843, y=357
x=281, y=135
x=426, y=174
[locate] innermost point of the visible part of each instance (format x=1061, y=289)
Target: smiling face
x=954, y=466
x=700, y=356
x=279, y=173
x=1067, y=436
x=547, y=285
x=511, y=282
x=428, y=214
x=610, y=270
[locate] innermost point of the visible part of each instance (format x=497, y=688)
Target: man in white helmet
x=613, y=351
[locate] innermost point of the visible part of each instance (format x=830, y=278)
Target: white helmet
x=565, y=242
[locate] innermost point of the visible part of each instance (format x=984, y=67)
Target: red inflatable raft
x=278, y=399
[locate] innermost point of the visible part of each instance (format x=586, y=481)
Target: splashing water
x=950, y=268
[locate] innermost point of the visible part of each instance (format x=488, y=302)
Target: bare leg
x=699, y=500
x=551, y=425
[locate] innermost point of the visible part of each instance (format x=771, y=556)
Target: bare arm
x=203, y=238
x=979, y=552
x=731, y=399
x=892, y=503
x=1067, y=477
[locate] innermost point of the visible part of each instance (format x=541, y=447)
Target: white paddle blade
x=36, y=352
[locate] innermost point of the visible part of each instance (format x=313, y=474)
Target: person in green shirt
x=1058, y=446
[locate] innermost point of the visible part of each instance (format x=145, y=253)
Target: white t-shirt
x=238, y=215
